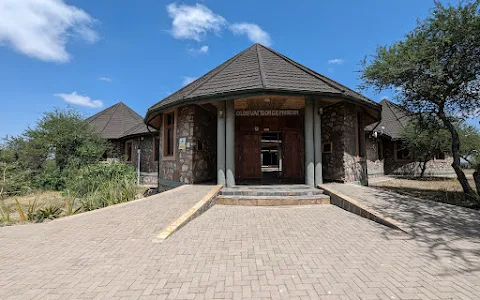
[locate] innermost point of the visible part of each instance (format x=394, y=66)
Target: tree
x=435, y=69
x=469, y=144
x=425, y=138
x=60, y=142
x=13, y=177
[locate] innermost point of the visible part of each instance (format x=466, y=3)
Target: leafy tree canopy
x=435, y=69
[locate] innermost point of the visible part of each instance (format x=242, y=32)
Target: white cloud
x=103, y=78
x=385, y=97
x=188, y=80
x=193, y=22
x=201, y=50
x=42, y=28
x=77, y=99
x=336, y=61
x=253, y=32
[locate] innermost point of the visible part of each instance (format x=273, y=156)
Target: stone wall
x=412, y=167
x=374, y=162
x=333, y=130
x=191, y=165
x=339, y=127
x=355, y=164
x=205, y=146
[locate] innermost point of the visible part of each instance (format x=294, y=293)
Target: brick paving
x=229, y=252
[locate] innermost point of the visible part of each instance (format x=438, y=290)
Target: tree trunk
x=476, y=178
x=424, y=167
x=467, y=189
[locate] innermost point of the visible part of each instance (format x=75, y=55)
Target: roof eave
x=153, y=112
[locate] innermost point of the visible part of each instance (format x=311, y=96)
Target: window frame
x=165, y=127
x=408, y=159
x=156, y=150
x=131, y=151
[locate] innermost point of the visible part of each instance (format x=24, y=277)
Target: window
x=199, y=146
x=327, y=147
x=401, y=152
x=440, y=155
x=169, y=134
x=156, y=148
x=129, y=150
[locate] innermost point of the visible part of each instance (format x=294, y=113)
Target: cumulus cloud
x=42, y=28
x=336, y=61
x=253, y=32
x=201, y=50
x=188, y=80
x=194, y=22
x=77, y=99
x=103, y=78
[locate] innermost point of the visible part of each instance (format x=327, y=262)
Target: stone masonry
x=195, y=163
x=339, y=128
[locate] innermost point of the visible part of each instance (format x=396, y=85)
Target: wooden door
x=293, y=155
x=248, y=164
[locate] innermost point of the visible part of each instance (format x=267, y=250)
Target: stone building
x=262, y=118
x=129, y=138
x=385, y=153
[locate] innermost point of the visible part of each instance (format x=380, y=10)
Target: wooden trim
x=156, y=150
x=166, y=157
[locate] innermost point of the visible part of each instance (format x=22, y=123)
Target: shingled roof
x=394, y=119
x=258, y=69
x=118, y=121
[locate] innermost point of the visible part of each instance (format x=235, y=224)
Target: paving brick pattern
x=229, y=252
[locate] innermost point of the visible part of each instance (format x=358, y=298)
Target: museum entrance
x=269, y=150
x=271, y=156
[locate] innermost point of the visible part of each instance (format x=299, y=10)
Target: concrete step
x=270, y=192
x=272, y=200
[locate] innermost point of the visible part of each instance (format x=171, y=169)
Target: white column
x=230, y=143
x=221, y=143
x=317, y=135
x=309, y=145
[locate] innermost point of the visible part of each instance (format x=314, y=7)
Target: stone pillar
x=309, y=144
x=230, y=142
x=317, y=135
x=221, y=143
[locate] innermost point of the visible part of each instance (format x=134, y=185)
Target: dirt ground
x=439, y=189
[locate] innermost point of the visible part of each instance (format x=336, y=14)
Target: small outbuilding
x=386, y=154
x=262, y=118
x=129, y=138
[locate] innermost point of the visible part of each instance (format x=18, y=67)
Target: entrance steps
x=272, y=195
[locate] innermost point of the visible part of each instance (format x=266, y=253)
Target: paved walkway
x=229, y=252
x=449, y=231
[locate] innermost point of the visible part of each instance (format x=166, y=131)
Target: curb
x=98, y=210
x=199, y=208
x=351, y=205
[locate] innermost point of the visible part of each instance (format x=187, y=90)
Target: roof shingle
x=394, y=119
x=254, y=69
x=118, y=121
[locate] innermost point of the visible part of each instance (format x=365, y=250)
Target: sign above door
x=267, y=113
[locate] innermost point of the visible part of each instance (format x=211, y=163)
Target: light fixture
x=220, y=113
x=267, y=100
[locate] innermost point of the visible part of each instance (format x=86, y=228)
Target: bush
x=103, y=184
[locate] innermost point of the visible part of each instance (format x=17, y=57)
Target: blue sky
x=95, y=53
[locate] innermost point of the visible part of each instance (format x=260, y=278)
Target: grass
x=41, y=205
x=439, y=189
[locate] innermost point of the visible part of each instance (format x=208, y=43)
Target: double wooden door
x=248, y=155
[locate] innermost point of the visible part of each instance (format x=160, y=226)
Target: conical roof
x=393, y=121
x=258, y=69
x=118, y=121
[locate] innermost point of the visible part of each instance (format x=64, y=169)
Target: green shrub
x=103, y=184
x=49, y=212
